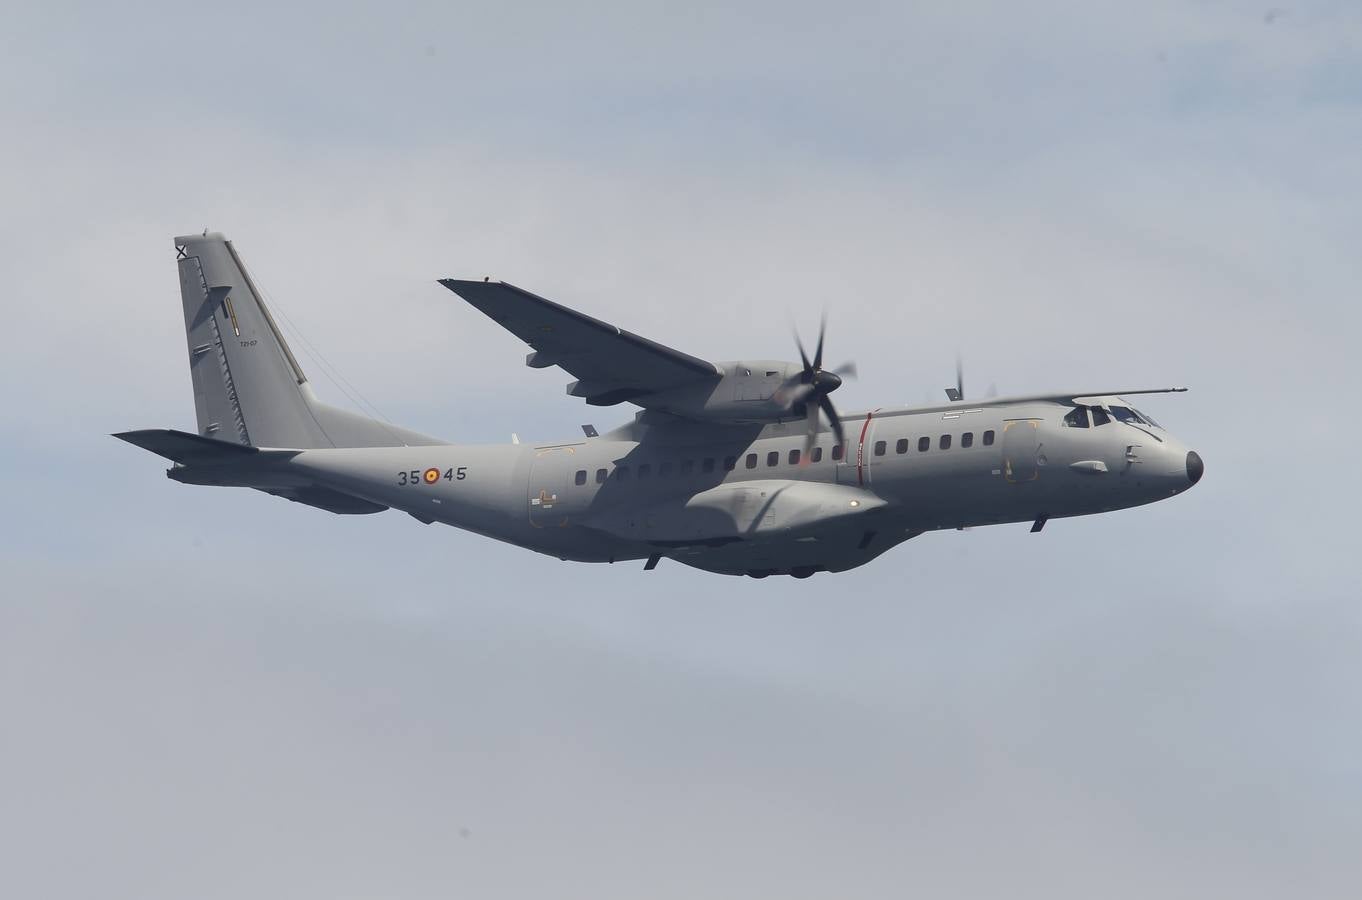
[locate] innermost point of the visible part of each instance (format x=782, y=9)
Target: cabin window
x=730, y=463
x=664, y=469
x=816, y=454
x=901, y=446
x=773, y=458
x=945, y=442
x=967, y=439
x=687, y=466
x=1077, y=417
x=794, y=457
x=645, y=470
x=581, y=477
x=924, y=444
x=988, y=438
x=707, y=465
x=836, y=451
x=622, y=473
x=751, y=460
x=880, y=448
x=601, y=475
x=1099, y=417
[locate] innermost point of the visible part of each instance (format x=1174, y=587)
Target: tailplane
x=248, y=386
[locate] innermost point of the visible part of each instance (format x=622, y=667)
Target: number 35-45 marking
x=431, y=475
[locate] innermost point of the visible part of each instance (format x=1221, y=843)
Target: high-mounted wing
x=1078, y=397
x=612, y=365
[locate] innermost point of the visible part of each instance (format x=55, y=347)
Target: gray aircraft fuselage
x=1023, y=463
x=755, y=498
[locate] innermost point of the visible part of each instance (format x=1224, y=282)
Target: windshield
x=1148, y=418
x=1126, y=414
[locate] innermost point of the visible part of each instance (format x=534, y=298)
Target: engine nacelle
x=745, y=393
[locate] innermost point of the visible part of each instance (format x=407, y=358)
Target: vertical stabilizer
x=248, y=387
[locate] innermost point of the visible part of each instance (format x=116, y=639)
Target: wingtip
x=460, y=285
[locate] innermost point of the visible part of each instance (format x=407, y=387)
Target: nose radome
x=1195, y=467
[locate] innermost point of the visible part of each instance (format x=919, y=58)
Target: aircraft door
x=1021, y=447
x=856, y=462
x=548, y=486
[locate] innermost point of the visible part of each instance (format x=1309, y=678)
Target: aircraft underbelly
x=836, y=548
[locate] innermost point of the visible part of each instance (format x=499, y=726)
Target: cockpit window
x=1077, y=417
x=1148, y=419
x=1126, y=414
x=1099, y=417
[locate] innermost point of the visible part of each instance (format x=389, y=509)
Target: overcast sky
x=215, y=693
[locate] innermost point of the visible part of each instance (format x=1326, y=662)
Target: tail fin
x=248, y=386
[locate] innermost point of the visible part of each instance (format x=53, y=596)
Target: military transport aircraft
x=741, y=468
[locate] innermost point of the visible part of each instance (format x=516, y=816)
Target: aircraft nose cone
x=1195, y=467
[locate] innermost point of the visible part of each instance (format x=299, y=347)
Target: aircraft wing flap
x=611, y=364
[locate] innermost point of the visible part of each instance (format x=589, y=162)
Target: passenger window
x=664, y=469
x=707, y=465
x=794, y=457
x=836, y=451
x=967, y=439
x=1077, y=417
x=622, y=473
x=581, y=477
x=1099, y=417
x=816, y=454
x=645, y=470
x=751, y=460
x=773, y=458
x=901, y=446
x=687, y=466
x=730, y=463
x=924, y=444
x=988, y=439
x=879, y=448
x=601, y=475
x=945, y=442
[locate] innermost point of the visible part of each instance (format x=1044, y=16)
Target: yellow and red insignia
x=431, y=476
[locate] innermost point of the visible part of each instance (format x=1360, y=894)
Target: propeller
x=811, y=387
x=957, y=393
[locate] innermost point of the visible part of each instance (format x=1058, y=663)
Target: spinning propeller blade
x=811, y=388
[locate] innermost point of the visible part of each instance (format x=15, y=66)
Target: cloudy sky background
x=214, y=693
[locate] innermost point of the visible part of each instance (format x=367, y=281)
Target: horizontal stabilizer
x=186, y=449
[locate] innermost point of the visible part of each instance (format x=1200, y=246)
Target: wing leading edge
x=612, y=365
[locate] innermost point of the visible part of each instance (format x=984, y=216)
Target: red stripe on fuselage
x=860, y=449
